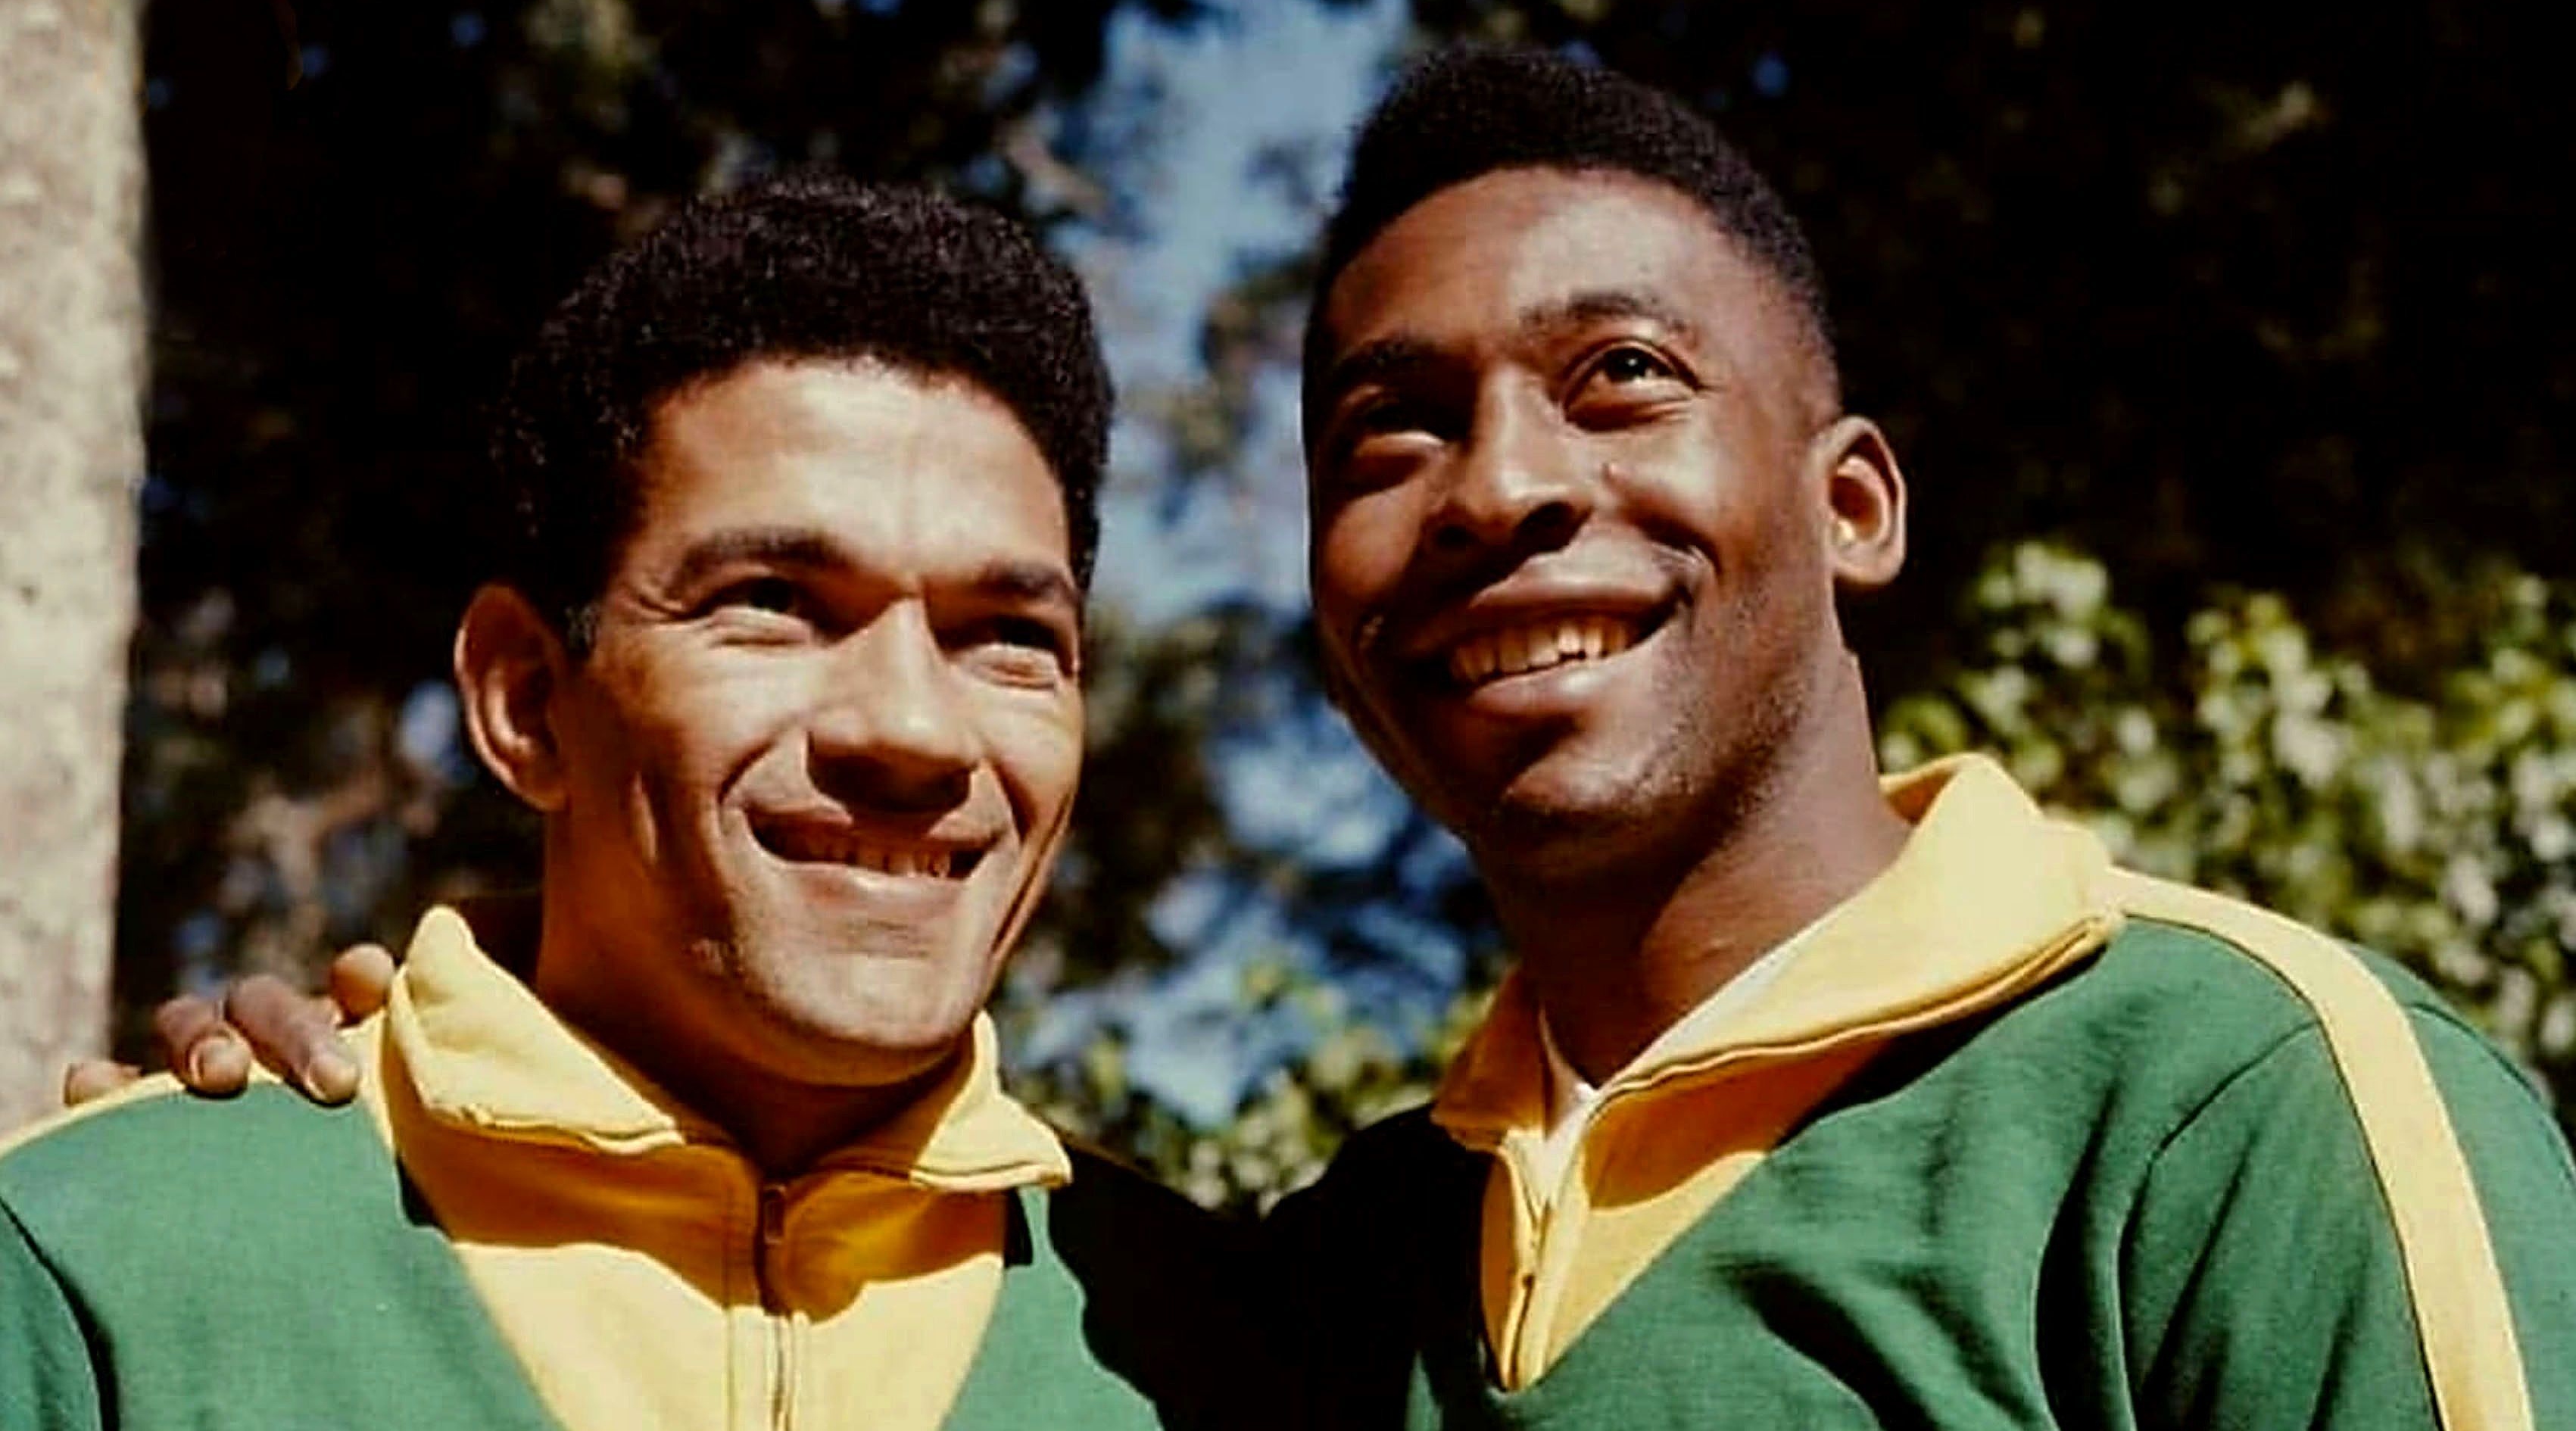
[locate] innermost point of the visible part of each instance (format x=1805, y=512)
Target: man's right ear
x=510, y=664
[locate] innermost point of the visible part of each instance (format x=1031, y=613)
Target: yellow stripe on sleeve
x=2461, y=1313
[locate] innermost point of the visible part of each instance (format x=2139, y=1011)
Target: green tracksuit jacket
x=2017, y=1140
x=558, y=1245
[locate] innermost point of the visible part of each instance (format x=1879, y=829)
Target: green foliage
x=2439, y=828
x=358, y=212
x=1353, y=1075
x=2225, y=295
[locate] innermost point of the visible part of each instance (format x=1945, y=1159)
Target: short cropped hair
x=810, y=265
x=1468, y=111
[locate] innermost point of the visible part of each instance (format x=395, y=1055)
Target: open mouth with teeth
x=1538, y=646
x=812, y=844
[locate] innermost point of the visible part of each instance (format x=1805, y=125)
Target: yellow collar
x=484, y=1055
x=1988, y=898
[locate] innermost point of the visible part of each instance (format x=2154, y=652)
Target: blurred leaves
x=2259, y=313
x=2438, y=828
x=1280, y=1136
x=2262, y=295
x=358, y=213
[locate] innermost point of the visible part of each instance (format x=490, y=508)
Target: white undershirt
x=1570, y=1100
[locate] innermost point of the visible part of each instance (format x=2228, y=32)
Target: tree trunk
x=71, y=449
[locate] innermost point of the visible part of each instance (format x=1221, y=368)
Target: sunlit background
x=2226, y=352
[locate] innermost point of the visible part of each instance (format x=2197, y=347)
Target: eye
x=1632, y=364
x=761, y=593
x=1019, y=650
x=1026, y=631
x=1377, y=421
x=1375, y=445
x=1394, y=414
x=1627, y=383
x=762, y=610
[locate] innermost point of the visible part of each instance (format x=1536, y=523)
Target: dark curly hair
x=1465, y=112
x=809, y=265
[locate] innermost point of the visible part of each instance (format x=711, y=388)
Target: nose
x=891, y=727
x=1518, y=482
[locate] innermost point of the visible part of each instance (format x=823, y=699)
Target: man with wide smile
x=1812, y=1099
x=1598, y=629
x=783, y=648
x=825, y=739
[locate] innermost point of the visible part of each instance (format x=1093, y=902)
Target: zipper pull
x=773, y=1214
x=773, y=1229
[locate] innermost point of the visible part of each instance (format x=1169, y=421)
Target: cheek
x=1361, y=549
x=682, y=736
x=1748, y=521
x=1038, y=755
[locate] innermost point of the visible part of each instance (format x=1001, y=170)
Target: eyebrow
x=1037, y=583
x=1008, y=579
x=1398, y=356
x=771, y=546
x=1602, y=304
x=1376, y=362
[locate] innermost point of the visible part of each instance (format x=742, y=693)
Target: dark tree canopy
x=2263, y=294
x=2228, y=297
x=358, y=213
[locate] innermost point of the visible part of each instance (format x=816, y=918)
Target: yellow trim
x=2461, y=1313
x=634, y=1259
x=1637, y=1191
x=141, y=1090
x=1986, y=892
x=1988, y=900
x=486, y=1054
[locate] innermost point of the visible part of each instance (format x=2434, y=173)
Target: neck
x=1616, y=957
x=784, y=1127
x=782, y=1124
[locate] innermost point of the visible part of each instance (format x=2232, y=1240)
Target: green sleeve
x=2527, y=1192
x=46, y=1380
x=2264, y=1283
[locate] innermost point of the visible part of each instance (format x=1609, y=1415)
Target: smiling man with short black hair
x=1812, y=1099
x=784, y=650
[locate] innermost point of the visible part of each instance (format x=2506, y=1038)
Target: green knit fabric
x=251, y=1264
x=1121, y=1304
x=258, y=1264
x=2138, y=1198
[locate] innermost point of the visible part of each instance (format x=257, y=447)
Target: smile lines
x=1537, y=646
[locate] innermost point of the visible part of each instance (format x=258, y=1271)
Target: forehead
x=1472, y=262
x=882, y=459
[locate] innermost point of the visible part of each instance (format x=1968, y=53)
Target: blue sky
x=1197, y=105
x=1223, y=139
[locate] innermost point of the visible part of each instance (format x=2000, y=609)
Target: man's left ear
x=1864, y=504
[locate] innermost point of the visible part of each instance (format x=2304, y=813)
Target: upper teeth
x=851, y=850
x=933, y=863
x=1536, y=647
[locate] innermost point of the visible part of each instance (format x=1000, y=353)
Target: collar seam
x=2036, y=966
